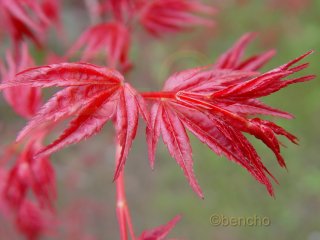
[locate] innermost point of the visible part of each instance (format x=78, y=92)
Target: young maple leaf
x=159, y=233
x=28, y=18
x=112, y=38
x=214, y=103
x=29, y=100
x=168, y=16
x=93, y=94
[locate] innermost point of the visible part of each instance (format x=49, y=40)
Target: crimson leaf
x=215, y=104
x=93, y=95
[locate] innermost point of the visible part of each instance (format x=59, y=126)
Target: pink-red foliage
x=29, y=177
x=168, y=16
x=93, y=94
x=29, y=173
x=29, y=100
x=214, y=102
x=112, y=39
x=121, y=8
x=218, y=103
x=28, y=18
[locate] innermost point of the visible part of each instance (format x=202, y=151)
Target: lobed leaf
x=215, y=103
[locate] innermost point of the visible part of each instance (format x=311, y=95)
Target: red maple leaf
x=214, y=103
x=93, y=95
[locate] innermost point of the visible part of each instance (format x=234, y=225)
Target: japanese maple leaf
x=168, y=16
x=28, y=18
x=93, y=95
x=159, y=233
x=113, y=39
x=215, y=104
x=29, y=100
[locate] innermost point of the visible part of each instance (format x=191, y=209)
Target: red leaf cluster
x=168, y=16
x=111, y=38
x=218, y=103
x=157, y=17
x=213, y=102
x=28, y=18
x=30, y=176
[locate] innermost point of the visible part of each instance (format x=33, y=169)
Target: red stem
x=122, y=209
x=157, y=95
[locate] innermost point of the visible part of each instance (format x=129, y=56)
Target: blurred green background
x=85, y=171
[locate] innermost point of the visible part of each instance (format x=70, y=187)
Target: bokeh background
x=86, y=192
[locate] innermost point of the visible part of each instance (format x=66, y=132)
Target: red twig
x=123, y=213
